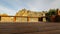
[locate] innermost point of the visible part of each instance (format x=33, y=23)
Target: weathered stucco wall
x=33, y=19
x=21, y=19
x=6, y=19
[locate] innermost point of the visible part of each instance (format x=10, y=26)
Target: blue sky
x=12, y=6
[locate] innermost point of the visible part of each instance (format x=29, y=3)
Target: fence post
x=44, y=18
x=28, y=19
x=15, y=19
x=0, y=18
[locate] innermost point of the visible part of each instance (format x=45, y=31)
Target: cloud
x=12, y=6
x=37, y=5
x=55, y=4
x=43, y=4
x=7, y=10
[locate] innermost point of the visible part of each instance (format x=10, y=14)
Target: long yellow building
x=5, y=19
x=30, y=16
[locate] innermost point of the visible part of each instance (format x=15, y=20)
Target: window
x=40, y=19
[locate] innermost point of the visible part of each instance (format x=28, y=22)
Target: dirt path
x=30, y=28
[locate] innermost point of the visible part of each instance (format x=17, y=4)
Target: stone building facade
x=31, y=16
x=5, y=18
x=23, y=16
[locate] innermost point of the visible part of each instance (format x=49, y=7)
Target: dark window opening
x=40, y=19
x=0, y=18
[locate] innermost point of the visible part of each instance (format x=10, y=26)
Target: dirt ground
x=30, y=28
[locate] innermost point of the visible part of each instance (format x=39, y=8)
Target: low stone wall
x=6, y=19
x=33, y=19
x=22, y=19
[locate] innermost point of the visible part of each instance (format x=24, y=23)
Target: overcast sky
x=12, y=6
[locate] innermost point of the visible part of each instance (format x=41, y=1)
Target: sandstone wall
x=28, y=13
x=6, y=19
x=21, y=19
x=33, y=19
